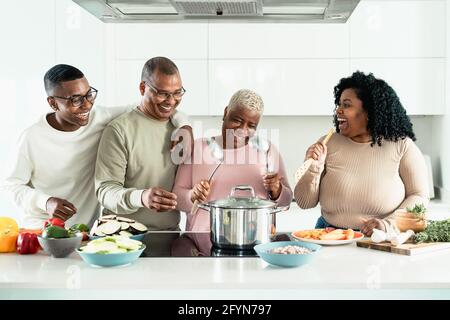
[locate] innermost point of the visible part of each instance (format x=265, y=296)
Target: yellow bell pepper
x=8, y=241
x=9, y=232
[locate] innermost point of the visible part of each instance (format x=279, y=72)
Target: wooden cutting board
x=408, y=249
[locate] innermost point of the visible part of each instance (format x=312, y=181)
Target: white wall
x=441, y=130
x=293, y=66
x=35, y=36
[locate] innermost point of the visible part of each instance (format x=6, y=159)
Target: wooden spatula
x=301, y=171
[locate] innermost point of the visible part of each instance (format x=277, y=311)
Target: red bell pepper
x=54, y=222
x=27, y=243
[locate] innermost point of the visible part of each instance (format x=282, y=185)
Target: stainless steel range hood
x=310, y=11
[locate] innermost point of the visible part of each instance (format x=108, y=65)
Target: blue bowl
x=111, y=259
x=138, y=237
x=286, y=260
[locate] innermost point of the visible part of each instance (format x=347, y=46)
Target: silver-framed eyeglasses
x=166, y=95
x=78, y=100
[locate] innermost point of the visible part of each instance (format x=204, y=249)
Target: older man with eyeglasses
x=53, y=175
x=135, y=172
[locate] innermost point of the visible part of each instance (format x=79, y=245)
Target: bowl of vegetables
x=287, y=253
x=59, y=242
x=411, y=218
x=116, y=225
x=111, y=251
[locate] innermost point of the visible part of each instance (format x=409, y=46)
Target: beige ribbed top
x=358, y=181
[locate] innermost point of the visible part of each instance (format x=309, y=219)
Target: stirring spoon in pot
x=263, y=145
x=217, y=153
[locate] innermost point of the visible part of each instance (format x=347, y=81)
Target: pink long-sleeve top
x=241, y=166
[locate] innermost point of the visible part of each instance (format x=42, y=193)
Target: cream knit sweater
x=358, y=181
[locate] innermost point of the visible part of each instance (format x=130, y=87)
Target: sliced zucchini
x=138, y=227
x=125, y=233
x=123, y=219
x=94, y=228
x=124, y=225
x=109, y=217
x=99, y=233
x=110, y=227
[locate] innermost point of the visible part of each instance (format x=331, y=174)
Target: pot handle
x=242, y=187
x=279, y=209
x=204, y=206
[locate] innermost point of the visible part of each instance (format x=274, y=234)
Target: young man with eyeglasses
x=54, y=172
x=134, y=173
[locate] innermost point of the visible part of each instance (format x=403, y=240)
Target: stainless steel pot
x=242, y=222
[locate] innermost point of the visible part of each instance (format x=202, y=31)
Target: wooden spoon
x=301, y=171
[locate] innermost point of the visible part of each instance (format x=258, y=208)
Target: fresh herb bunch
x=418, y=211
x=436, y=231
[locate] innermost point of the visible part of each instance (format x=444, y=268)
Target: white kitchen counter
x=337, y=272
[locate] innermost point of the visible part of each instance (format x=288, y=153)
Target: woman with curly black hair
x=371, y=166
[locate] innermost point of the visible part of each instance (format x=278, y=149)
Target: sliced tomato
x=332, y=236
x=349, y=234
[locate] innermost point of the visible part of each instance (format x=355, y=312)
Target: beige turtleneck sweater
x=358, y=181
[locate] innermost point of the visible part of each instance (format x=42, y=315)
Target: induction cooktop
x=190, y=244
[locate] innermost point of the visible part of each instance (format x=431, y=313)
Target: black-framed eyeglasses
x=78, y=100
x=166, y=95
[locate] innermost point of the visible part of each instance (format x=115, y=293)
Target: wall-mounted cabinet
x=398, y=29
x=178, y=41
x=294, y=66
x=278, y=41
x=419, y=83
x=288, y=87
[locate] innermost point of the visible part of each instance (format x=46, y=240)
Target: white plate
x=358, y=236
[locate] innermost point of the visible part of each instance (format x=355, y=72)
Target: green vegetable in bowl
x=112, y=244
x=418, y=211
x=55, y=232
x=436, y=231
x=79, y=227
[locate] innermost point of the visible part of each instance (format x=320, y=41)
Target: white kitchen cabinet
x=288, y=87
x=80, y=42
x=420, y=83
x=193, y=75
x=278, y=41
x=398, y=29
x=175, y=41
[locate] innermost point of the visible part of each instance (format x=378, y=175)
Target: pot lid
x=234, y=202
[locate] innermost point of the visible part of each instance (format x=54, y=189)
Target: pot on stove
x=242, y=222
